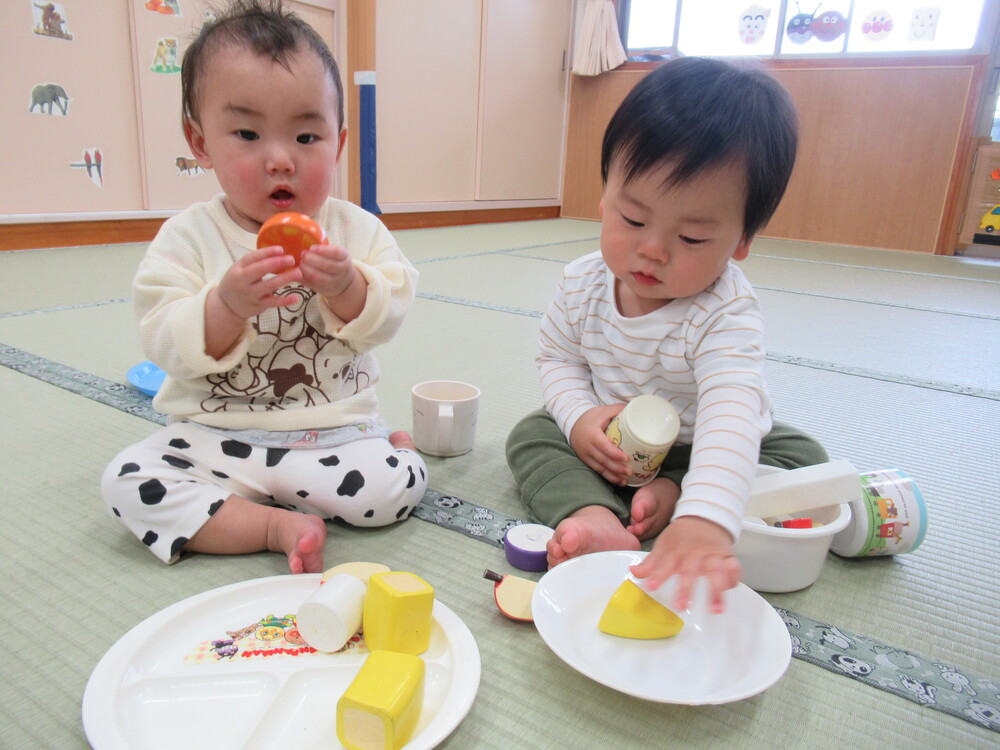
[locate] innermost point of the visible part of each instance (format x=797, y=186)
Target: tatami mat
x=865, y=338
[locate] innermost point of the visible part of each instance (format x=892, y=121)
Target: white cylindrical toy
x=328, y=618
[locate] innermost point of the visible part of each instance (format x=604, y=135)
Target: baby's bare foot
x=591, y=529
x=400, y=439
x=300, y=536
x=652, y=507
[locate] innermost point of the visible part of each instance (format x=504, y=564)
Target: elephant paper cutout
x=44, y=95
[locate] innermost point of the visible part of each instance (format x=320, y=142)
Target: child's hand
x=692, y=547
x=595, y=448
x=329, y=271
x=248, y=287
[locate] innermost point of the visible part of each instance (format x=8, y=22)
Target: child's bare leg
x=590, y=529
x=241, y=526
x=652, y=506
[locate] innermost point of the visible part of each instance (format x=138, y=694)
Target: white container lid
x=652, y=420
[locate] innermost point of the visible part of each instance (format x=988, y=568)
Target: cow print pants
x=164, y=488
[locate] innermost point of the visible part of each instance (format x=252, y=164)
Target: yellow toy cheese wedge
x=398, y=612
x=380, y=708
x=632, y=613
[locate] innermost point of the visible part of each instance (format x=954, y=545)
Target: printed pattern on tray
x=268, y=638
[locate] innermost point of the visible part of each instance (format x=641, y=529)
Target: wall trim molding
x=61, y=231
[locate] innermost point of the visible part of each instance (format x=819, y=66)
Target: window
x=785, y=28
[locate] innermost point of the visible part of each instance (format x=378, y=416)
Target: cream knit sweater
x=299, y=367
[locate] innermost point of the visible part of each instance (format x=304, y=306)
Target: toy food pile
x=381, y=707
x=632, y=613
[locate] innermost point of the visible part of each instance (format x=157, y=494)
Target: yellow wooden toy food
x=398, y=612
x=381, y=707
x=632, y=613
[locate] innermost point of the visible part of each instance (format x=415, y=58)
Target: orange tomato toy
x=295, y=232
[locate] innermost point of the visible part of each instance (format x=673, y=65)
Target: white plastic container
x=645, y=429
x=778, y=560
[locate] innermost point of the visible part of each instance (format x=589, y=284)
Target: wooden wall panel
x=592, y=102
x=883, y=156
x=877, y=151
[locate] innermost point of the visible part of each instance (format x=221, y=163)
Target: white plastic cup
x=645, y=429
x=332, y=615
x=445, y=413
x=889, y=518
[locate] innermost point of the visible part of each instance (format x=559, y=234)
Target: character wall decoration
x=830, y=21
x=753, y=24
x=812, y=26
x=53, y=21
x=50, y=20
x=877, y=25
x=166, y=60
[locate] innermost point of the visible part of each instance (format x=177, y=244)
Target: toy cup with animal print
x=889, y=518
x=445, y=413
x=645, y=429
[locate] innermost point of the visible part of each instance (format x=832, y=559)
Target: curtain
x=599, y=47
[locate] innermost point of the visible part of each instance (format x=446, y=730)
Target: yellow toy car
x=991, y=221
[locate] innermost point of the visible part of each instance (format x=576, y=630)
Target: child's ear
x=196, y=140
x=343, y=141
x=743, y=249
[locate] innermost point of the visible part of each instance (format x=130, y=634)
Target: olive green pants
x=555, y=483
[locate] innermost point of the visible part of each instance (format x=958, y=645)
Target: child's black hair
x=692, y=113
x=265, y=28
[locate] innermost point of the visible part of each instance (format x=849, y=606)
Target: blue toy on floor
x=146, y=377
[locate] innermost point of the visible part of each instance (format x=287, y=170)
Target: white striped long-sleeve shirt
x=703, y=353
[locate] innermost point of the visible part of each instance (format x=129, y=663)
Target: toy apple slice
x=512, y=595
x=632, y=613
x=295, y=232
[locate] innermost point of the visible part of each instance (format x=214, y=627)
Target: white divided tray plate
x=716, y=658
x=167, y=684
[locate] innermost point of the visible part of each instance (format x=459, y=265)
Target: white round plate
x=146, y=377
x=716, y=658
x=146, y=692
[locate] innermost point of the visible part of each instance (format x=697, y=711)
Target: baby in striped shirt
x=694, y=163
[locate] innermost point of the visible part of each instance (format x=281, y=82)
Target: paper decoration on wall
x=188, y=165
x=44, y=95
x=991, y=220
x=92, y=163
x=165, y=57
x=166, y=7
x=876, y=26
x=799, y=29
x=50, y=20
x=923, y=24
x=829, y=25
x=753, y=24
